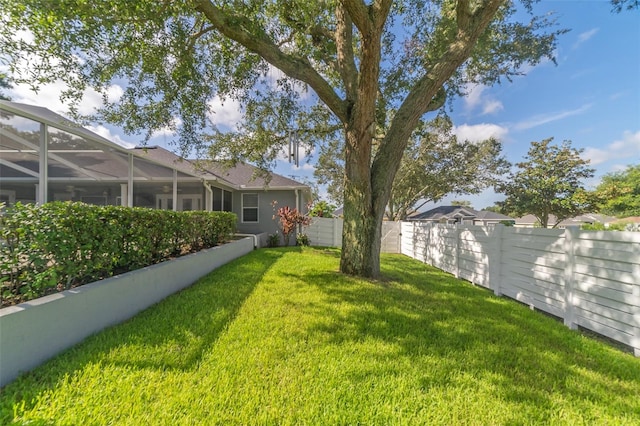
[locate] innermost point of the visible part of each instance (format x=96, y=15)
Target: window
x=217, y=199
x=228, y=201
x=250, y=207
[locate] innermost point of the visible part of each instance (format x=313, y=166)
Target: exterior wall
x=34, y=331
x=266, y=223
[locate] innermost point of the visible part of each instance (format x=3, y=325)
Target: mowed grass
x=280, y=337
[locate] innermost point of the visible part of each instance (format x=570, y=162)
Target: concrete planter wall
x=34, y=331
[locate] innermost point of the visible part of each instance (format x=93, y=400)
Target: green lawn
x=279, y=337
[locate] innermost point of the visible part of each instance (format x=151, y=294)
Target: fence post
x=335, y=227
x=636, y=316
x=428, y=252
x=495, y=267
x=457, y=251
x=636, y=334
x=570, y=235
x=413, y=237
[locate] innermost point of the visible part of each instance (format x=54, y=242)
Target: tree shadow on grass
x=173, y=334
x=477, y=342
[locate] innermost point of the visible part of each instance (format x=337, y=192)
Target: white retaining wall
x=589, y=278
x=34, y=331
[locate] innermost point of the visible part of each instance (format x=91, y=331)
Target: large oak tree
x=435, y=163
x=359, y=58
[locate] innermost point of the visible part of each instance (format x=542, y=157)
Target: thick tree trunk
x=362, y=222
x=361, y=232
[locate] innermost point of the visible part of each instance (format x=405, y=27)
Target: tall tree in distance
x=619, y=192
x=359, y=58
x=549, y=182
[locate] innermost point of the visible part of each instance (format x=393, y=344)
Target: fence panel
x=476, y=246
x=533, y=268
x=607, y=279
x=327, y=232
x=407, y=242
x=591, y=279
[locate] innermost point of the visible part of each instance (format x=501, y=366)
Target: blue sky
x=591, y=97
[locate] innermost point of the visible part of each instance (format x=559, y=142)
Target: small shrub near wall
x=57, y=246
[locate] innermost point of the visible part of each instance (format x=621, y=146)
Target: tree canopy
x=434, y=165
x=549, y=182
x=619, y=192
x=360, y=68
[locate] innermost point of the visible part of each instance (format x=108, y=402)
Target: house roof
x=488, y=215
x=630, y=219
x=452, y=212
x=241, y=175
x=447, y=212
x=248, y=177
x=573, y=221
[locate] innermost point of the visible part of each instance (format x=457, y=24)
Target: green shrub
x=273, y=240
x=60, y=245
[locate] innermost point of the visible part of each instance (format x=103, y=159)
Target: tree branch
x=359, y=13
x=346, y=59
x=424, y=94
x=239, y=29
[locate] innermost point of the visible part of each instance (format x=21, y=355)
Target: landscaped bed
x=279, y=337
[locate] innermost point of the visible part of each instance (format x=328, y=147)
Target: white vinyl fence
x=328, y=233
x=589, y=278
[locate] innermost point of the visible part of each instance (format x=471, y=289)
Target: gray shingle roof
x=451, y=212
x=445, y=212
x=246, y=175
x=241, y=175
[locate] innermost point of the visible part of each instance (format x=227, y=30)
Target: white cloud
x=492, y=106
x=169, y=130
x=628, y=147
x=480, y=132
x=226, y=113
x=541, y=119
x=475, y=99
x=585, y=36
x=305, y=166
x=106, y=133
x=49, y=96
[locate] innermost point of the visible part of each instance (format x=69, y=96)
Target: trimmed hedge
x=60, y=245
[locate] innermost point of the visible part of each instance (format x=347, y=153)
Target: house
x=458, y=214
x=530, y=221
x=45, y=157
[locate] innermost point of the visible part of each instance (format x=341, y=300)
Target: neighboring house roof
x=531, y=220
x=454, y=212
x=630, y=219
x=487, y=215
x=445, y=212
